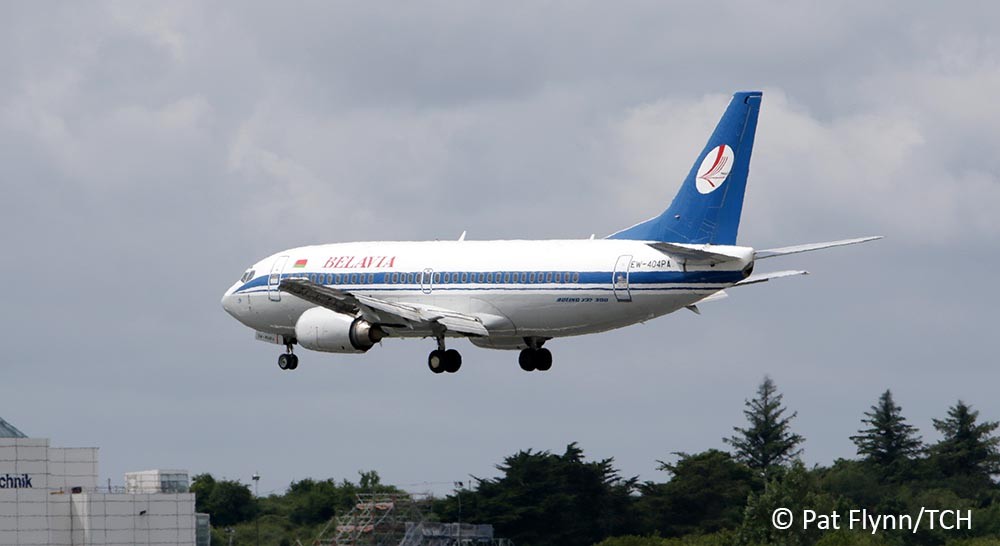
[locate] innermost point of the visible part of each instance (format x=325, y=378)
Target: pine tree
x=889, y=442
x=967, y=449
x=767, y=443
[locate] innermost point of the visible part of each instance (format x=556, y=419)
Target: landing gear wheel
x=543, y=360
x=436, y=361
x=452, y=361
x=284, y=361
x=527, y=360
x=294, y=361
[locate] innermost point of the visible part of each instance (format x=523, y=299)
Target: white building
x=50, y=496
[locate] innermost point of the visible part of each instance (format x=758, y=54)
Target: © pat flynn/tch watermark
x=865, y=520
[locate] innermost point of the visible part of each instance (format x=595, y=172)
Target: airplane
x=519, y=294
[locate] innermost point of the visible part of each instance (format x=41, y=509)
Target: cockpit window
x=247, y=275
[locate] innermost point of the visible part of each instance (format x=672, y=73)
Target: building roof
x=8, y=430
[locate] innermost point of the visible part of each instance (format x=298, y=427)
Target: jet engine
x=321, y=329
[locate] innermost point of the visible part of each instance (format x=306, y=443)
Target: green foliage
x=851, y=538
x=715, y=539
x=706, y=493
x=794, y=488
x=546, y=499
x=768, y=442
x=889, y=443
x=712, y=498
x=967, y=449
x=228, y=502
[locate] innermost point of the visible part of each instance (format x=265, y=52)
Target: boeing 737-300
x=518, y=294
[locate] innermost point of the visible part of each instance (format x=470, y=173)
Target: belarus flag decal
x=300, y=263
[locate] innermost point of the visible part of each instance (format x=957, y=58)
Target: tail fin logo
x=714, y=169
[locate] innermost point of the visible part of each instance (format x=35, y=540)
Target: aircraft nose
x=227, y=302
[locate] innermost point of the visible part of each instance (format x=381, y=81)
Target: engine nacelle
x=321, y=329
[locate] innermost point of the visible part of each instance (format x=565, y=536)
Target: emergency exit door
x=619, y=279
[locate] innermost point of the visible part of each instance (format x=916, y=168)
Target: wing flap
x=786, y=250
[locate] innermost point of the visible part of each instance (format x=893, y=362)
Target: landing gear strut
x=444, y=360
x=288, y=360
x=535, y=357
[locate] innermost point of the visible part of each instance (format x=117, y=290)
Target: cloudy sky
x=150, y=152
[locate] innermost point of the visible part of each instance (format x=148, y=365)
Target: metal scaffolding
x=397, y=519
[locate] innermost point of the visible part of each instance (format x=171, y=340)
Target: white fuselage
x=520, y=289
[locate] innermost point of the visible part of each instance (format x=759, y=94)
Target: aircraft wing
x=378, y=311
x=692, y=254
x=784, y=251
x=764, y=277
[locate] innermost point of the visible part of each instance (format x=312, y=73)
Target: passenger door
x=274, y=279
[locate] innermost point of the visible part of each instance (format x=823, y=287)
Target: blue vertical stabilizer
x=707, y=208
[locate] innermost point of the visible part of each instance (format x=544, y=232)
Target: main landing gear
x=288, y=360
x=441, y=360
x=535, y=357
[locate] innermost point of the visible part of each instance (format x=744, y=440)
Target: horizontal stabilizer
x=784, y=251
x=693, y=253
x=764, y=277
x=720, y=295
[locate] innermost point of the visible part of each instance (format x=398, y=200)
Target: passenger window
x=506, y=277
x=576, y=277
x=354, y=278
x=524, y=277
x=548, y=277
x=437, y=278
x=371, y=278
x=531, y=277
x=481, y=277
x=465, y=277
x=409, y=278
x=489, y=278
x=558, y=277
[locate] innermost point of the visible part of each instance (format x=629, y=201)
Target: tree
x=706, y=493
x=794, y=488
x=767, y=443
x=889, y=442
x=543, y=498
x=967, y=449
x=202, y=486
x=229, y=502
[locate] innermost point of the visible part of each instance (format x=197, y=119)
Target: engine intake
x=321, y=329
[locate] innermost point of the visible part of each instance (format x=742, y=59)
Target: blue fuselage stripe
x=511, y=280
